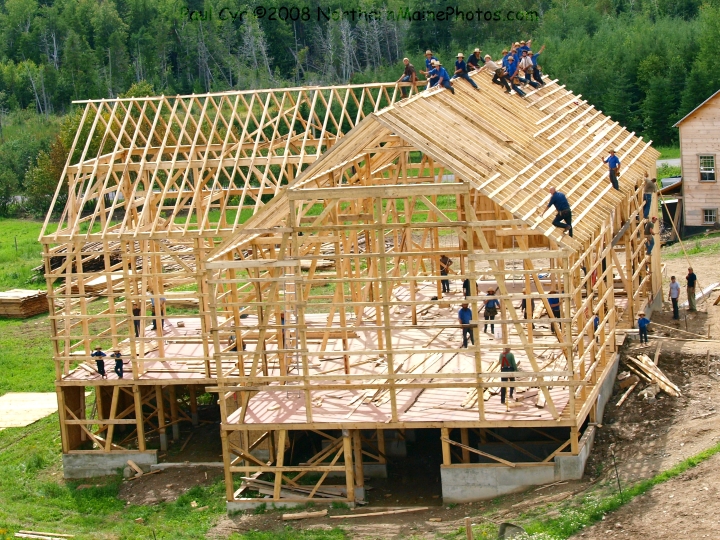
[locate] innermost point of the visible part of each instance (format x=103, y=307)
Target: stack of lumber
x=22, y=303
x=644, y=367
x=267, y=488
x=99, y=284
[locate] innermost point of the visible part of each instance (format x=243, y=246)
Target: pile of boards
x=646, y=370
x=22, y=303
x=267, y=488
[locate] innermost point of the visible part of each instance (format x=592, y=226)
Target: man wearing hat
x=428, y=62
x=526, y=66
x=409, y=75
x=613, y=163
x=537, y=72
x=473, y=62
x=118, y=362
x=440, y=77
x=564, y=213
x=490, y=311
x=650, y=234
x=99, y=362
x=511, y=76
x=507, y=364
x=465, y=316
x=461, y=70
x=643, y=323
x=498, y=73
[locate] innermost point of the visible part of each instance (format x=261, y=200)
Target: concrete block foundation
x=474, y=482
x=90, y=465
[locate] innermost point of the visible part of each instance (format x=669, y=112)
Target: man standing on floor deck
x=674, y=296
x=117, y=356
x=99, y=356
x=691, y=281
x=465, y=317
x=445, y=264
x=507, y=363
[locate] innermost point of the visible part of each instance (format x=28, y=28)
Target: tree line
x=646, y=63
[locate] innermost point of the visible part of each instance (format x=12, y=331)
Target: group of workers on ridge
x=518, y=59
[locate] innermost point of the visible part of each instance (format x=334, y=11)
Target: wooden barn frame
x=302, y=231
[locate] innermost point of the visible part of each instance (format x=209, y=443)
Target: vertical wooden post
x=174, y=412
x=279, y=462
x=349, y=471
x=139, y=419
x=358, y=461
x=161, y=417
x=229, y=488
x=465, y=439
x=445, y=434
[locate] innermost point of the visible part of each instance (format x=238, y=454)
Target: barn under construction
x=280, y=250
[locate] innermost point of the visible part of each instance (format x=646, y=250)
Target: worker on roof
x=440, y=77
x=409, y=75
x=613, y=163
x=563, y=219
x=537, y=71
x=461, y=70
x=526, y=66
x=428, y=62
x=474, y=61
x=511, y=76
x=499, y=73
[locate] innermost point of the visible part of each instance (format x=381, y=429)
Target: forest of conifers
x=646, y=63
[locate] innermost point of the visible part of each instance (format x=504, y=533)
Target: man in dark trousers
x=507, y=363
x=445, y=264
x=474, y=62
x=674, y=296
x=512, y=76
x=691, y=281
x=440, y=77
x=465, y=316
x=613, y=163
x=461, y=71
x=136, y=318
x=118, y=362
x=643, y=323
x=409, y=75
x=498, y=73
x=99, y=356
x=650, y=234
x=537, y=71
x=563, y=219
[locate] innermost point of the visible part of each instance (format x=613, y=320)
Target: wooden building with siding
x=699, y=154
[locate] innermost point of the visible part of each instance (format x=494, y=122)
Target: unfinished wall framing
x=304, y=268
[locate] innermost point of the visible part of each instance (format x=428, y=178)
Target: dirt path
x=687, y=506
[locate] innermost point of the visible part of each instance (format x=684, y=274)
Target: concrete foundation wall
x=91, y=465
x=467, y=483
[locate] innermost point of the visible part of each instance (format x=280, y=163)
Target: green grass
x=666, y=172
x=668, y=152
x=706, y=244
x=17, y=261
x=26, y=355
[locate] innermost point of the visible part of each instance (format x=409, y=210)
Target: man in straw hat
x=99, y=356
x=428, y=62
x=563, y=219
x=440, y=77
x=498, y=73
x=465, y=317
x=474, y=60
x=118, y=362
x=613, y=163
x=461, y=70
x=409, y=75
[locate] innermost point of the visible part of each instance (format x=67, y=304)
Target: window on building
x=709, y=216
x=707, y=168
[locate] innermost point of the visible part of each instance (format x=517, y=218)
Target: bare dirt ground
x=168, y=485
x=647, y=437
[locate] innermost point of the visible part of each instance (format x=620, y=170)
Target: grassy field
x=20, y=252
x=668, y=152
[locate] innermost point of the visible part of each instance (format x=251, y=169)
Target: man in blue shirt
x=511, y=75
x=440, y=77
x=465, y=316
x=563, y=219
x=118, y=362
x=643, y=323
x=428, y=62
x=474, y=61
x=461, y=71
x=537, y=72
x=613, y=163
x=99, y=356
